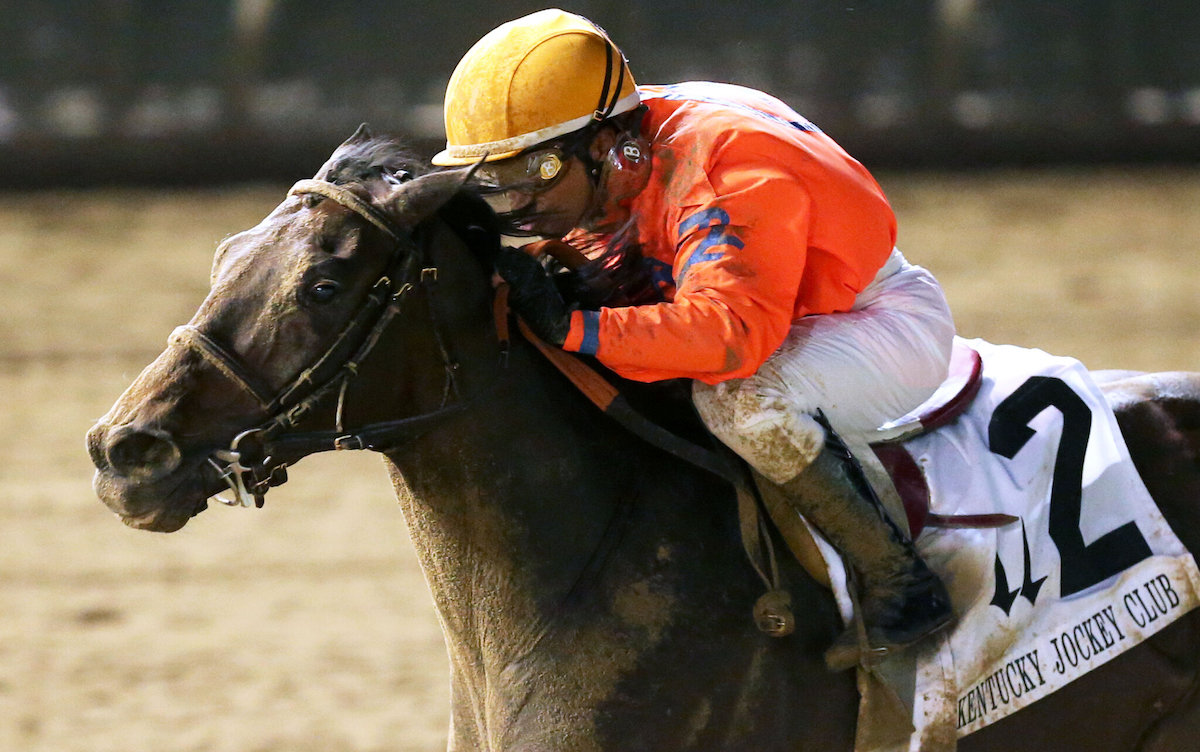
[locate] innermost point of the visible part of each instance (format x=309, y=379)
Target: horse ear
x=361, y=135
x=412, y=201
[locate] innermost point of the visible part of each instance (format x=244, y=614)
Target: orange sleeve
x=740, y=256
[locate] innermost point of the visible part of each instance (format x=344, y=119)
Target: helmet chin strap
x=608, y=100
x=615, y=178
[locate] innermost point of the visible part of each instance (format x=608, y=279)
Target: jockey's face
x=568, y=202
x=557, y=210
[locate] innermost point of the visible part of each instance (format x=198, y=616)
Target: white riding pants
x=861, y=368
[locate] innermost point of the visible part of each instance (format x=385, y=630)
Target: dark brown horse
x=592, y=588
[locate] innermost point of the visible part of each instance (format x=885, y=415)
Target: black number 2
x=1082, y=565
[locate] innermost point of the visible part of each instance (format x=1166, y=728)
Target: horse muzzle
x=139, y=475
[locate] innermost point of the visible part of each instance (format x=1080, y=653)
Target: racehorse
x=591, y=587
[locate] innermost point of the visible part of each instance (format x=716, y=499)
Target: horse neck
x=506, y=498
x=545, y=531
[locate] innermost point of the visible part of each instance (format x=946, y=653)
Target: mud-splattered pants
x=861, y=368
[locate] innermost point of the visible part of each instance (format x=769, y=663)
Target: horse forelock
x=360, y=161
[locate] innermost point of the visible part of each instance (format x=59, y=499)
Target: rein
x=257, y=458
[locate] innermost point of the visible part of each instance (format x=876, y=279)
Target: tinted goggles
x=531, y=172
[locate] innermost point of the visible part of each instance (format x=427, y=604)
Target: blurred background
x=1043, y=158
x=197, y=90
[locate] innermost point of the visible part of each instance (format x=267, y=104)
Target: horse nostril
x=95, y=445
x=142, y=453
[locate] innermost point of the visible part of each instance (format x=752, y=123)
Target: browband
x=347, y=199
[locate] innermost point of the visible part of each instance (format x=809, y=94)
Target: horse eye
x=323, y=291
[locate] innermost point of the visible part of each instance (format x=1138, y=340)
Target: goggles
x=511, y=186
x=531, y=172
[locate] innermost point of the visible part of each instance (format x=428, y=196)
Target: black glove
x=533, y=295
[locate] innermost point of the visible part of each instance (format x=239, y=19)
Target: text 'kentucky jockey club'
x=1088, y=638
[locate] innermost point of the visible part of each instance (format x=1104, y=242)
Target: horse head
x=292, y=301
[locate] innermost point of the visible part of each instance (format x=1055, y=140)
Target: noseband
x=257, y=458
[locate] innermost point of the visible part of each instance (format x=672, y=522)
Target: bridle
x=258, y=457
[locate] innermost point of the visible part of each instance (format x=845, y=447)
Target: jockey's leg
x=901, y=599
x=861, y=368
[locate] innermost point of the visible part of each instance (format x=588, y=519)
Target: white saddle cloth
x=1091, y=570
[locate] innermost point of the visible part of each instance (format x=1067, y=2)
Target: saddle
x=954, y=685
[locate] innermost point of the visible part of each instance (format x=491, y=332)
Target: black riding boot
x=902, y=601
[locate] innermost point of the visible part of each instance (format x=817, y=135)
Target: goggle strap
x=600, y=113
x=608, y=100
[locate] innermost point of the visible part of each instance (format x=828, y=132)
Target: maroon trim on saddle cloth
x=966, y=367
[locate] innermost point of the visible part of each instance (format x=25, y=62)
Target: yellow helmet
x=531, y=80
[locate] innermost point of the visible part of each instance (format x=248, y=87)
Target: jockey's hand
x=533, y=295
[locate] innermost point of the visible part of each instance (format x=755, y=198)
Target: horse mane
x=619, y=274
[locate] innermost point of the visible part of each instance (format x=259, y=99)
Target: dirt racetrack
x=307, y=625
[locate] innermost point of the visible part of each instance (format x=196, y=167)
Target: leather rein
x=257, y=458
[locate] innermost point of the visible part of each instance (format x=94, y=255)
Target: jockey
x=780, y=292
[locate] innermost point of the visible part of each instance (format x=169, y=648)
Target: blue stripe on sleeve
x=591, y=333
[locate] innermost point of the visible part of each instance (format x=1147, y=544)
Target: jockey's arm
x=739, y=260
